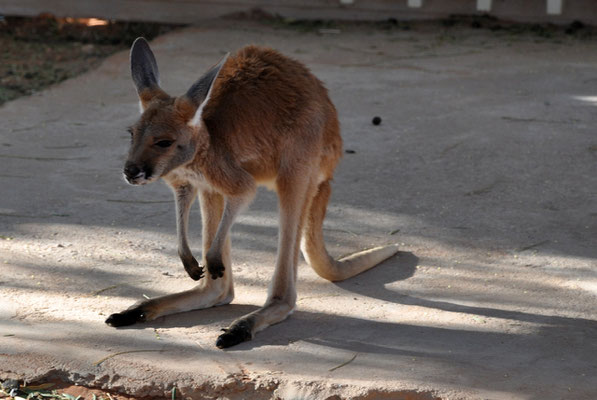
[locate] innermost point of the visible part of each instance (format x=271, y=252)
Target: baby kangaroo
x=256, y=118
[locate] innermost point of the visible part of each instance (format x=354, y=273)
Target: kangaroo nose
x=131, y=171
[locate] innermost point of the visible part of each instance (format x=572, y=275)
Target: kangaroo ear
x=200, y=92
x=144, y=71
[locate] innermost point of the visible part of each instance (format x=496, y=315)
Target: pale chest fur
x=184, y=176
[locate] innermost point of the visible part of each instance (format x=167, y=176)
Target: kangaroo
x=255, y=118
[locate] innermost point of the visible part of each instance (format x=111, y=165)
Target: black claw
x=216, y=268
x=217, y=275
x=193, y=268
x=238, y=333
x=128, y=317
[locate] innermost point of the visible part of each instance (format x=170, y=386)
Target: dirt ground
x=39, y=52
x=52, y=389
x=42, y=51
x=483, y=170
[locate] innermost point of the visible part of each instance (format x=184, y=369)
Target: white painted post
x=554, y=7
x=415, y=3
x=484, y=5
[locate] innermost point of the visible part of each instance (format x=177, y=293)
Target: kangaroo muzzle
x=136, y=175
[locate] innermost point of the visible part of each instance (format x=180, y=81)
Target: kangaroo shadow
x=371, y=283
x=402, y=266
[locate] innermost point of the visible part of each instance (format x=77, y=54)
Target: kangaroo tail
x=313, y=247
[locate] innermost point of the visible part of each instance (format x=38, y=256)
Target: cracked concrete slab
x=484, y=169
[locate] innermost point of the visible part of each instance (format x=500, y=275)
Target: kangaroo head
x=170, y=131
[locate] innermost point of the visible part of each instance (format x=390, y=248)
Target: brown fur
x=268, y=121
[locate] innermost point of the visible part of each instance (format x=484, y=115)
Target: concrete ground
x=484, y=169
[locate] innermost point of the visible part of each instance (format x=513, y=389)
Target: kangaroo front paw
x=128, y=317
x=193, y=268
x=216, y=268
x=239, y=332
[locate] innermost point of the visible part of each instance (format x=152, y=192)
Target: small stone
x=10, y=384
x=376, y=120
x=88, y=48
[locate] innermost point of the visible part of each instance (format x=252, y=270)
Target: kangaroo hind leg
x=294, y=192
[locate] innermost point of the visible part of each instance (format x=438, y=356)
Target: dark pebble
x=10, y=384
x=376, y=120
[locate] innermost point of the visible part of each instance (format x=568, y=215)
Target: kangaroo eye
x=164, y=143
